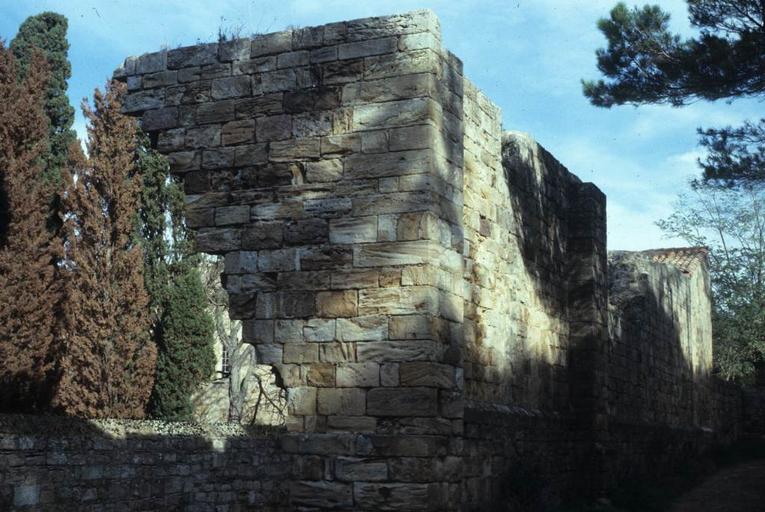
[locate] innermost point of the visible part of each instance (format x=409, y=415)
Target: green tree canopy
x=46, y=32
x=731, y=223
x=182, y=327
x=646, y=63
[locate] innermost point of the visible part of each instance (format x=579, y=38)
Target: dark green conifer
x=182, y=326
x=46, y=32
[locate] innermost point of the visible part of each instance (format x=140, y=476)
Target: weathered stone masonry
x=432, y=292
x=326, y=164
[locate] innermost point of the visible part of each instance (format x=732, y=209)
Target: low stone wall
x=60, y=464
x=754, y=411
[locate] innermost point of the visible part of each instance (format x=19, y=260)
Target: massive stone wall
x=431, y=292
x=325, y=163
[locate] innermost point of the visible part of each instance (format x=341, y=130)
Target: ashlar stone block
x=349, y=230
x=399, y=301
x=402, y=402
x=353, y=469
x=365, y=48
x=343, y=402
x=238, y=132
x=319, y=329
x=320, y=375
x=337, y=303
x=301, y=353
x=358, y=375
x=321, y=494
x=427, y=374
x=324, y=171
x=362, y=328
x=392, y=496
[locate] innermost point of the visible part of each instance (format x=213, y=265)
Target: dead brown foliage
x=29, y=291
x=108, y=359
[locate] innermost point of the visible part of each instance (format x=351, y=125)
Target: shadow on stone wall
x=628, y=406
x=58, y=463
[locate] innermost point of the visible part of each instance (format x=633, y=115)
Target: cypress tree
x=107, y=362
x=182, y=325
x=46, y=32
x=184, y=341
x=28, y=288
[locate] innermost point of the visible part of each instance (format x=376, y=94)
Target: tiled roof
x=687, y=259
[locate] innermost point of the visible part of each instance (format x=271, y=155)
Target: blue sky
x=527, y=55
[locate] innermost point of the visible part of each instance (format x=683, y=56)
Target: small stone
x=352, y=470
x=352, y=423
x=294, y=149
x=321, y=375
x=250, y=154
x=151, y=63
x=301, y=401
x=273, y=128
x=402, y=402
x=218, y=158
x=267, y=44
x=319, y=329
x=344, y=402
x=236, y=49
x=289, y=331
x=389, y=374
x=230, y=87
x=279, y=260
x=160, y=119
x=25, y=495
x=274, y=81
x=215, y=112
x=358, y=375
x=321, y=494
x=262, y=235
x=258, y=331
x=238, y=132
x=303, y=232
x=192, y=56
x=337, y=304
x=427, y=374
x=301, y=353
x=218, y=240
x=183, y=161
x=355, y=279
x=367, y=48
x=350, y=230
x=203, y=136
x=160, y=79
x=241, y=262
x=362, y=328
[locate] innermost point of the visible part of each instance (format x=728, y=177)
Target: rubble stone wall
x=432, y=293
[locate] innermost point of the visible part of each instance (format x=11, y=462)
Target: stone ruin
x=434, y=294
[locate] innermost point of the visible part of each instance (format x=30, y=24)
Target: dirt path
x=739, y=488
